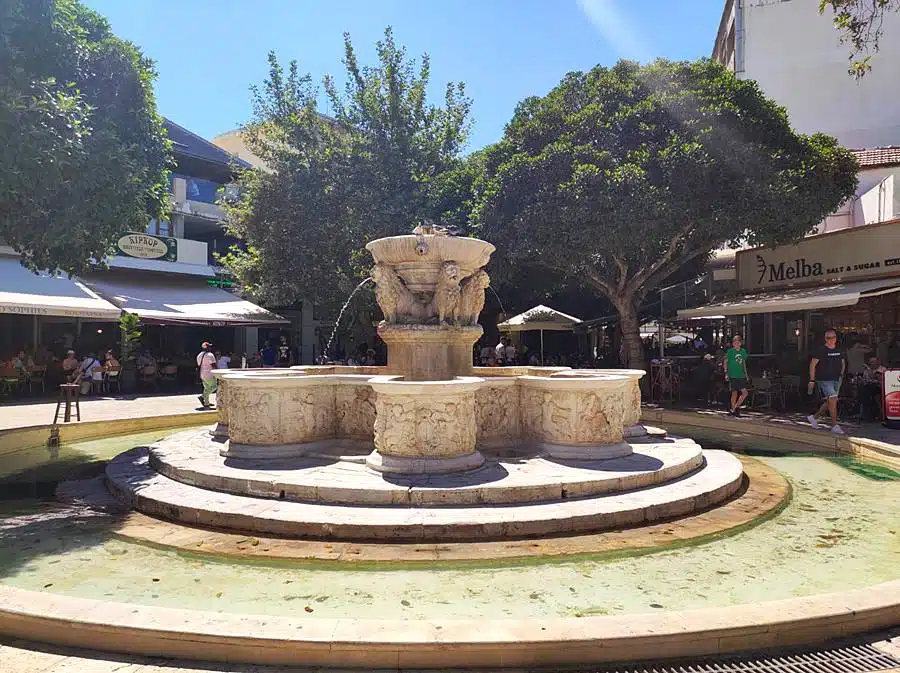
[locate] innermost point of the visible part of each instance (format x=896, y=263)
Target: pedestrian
x=269, y=355
x=736, y=374
x=826, y=370
x=206, y=362
x=284, y=353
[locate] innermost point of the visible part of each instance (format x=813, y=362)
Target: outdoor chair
x=169, y=375
x=111, y=379
x=10, y=380
x=849, y=406
x=764, y=393
x=37, y=377
x=148, y=375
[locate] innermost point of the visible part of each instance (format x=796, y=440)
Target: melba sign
x=146, y=246
x=870, y=251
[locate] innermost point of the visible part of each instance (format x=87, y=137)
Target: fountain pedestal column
x=425, y=427
x=429, y=352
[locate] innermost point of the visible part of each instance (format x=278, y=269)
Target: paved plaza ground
x=875, y=431
x=101, y=408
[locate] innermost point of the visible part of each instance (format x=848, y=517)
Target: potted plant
x=130, y=328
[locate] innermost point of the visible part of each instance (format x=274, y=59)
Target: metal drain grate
x=851, y=659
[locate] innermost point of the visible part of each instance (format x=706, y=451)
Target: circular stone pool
x=840, y=531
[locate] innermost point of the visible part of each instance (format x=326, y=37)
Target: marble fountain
x=429, y=447
x=432, y=514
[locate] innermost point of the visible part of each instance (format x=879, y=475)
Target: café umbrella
x=540, y=318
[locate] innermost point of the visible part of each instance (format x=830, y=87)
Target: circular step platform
x=185, y=480
x=341, y=477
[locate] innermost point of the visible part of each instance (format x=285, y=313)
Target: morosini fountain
x=406, y=516
x=428, y=445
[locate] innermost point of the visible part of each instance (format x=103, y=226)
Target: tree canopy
x=380, y=162
x=619, y=176
x=861, y=25
x=83, y=152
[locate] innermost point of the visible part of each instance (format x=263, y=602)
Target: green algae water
x=71, y=459
x=840, y=531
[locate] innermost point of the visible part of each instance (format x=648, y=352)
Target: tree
x=621, y=175
x=331, y=184
x=861, y=25
x=83, y=152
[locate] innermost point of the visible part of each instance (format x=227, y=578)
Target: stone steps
x=131, y=478
x=193, y=458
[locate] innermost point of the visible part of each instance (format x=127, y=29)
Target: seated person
x=111, y=363
x=870, y=394
x=70, y=367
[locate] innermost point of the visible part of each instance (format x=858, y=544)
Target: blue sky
x=208, y=52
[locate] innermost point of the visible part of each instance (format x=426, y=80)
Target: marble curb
x=587, y=453
x=574, y=382
x=395, y=385
x=397, y=644
x=15, y=439
x=863, y=447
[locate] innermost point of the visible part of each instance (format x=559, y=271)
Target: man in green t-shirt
x=736, y=374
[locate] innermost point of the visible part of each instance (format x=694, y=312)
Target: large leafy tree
x=380, y=162
x=83, y=152
x=619, y=176
x=861, y=25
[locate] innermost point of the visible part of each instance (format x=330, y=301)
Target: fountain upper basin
x=418, y=259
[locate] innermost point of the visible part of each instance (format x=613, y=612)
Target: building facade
x=847, y=275
x=168, y=275
x=795, y=55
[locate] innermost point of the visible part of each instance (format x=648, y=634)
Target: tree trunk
x=630, y=324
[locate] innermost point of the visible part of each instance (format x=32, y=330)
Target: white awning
x=180, y=301
x=805, y=299
x=26, y=293
x=540, y=318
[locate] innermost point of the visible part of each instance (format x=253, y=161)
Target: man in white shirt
x=206, y=361
x=500, y=351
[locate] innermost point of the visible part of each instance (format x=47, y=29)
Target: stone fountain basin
x=418, y=265
x=632, y=391
x=425, y=425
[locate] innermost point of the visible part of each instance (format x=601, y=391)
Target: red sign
x=891, y=392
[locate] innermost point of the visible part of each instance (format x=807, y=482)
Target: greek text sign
x=146, y=246
x=870, y=251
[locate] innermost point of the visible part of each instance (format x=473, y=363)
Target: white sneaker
x=836, y=429
x=812, y=421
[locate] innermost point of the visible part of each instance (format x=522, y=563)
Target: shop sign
x=872, y=251
x=146, y=246
x=891, y=390
x=55, y=311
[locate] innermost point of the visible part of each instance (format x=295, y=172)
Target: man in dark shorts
x=284, y=353
x=826, y=370
x=736, y=374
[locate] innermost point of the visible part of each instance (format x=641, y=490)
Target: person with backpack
x=206, y=362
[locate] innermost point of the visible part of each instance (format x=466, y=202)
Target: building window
x=159, y=227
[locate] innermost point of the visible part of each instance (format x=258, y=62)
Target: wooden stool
x=68, y=393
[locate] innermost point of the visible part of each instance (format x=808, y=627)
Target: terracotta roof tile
x=871, y=157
